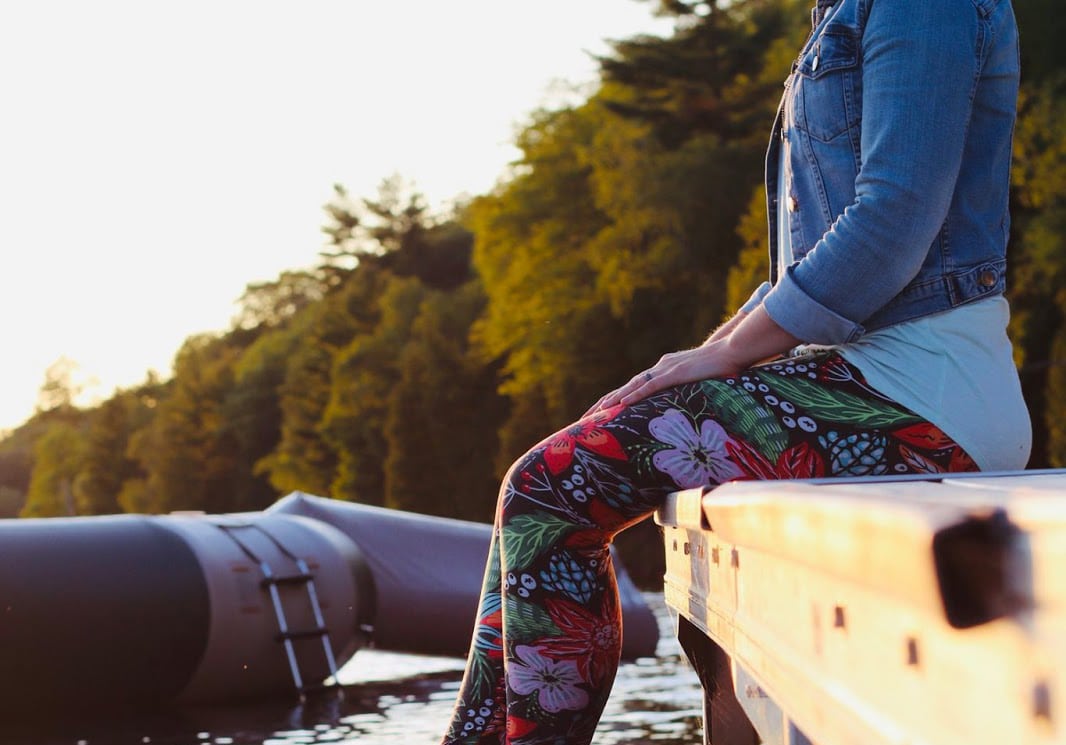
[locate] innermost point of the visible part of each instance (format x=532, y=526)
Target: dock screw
x=912, y=651
x=838, y=617
x=734, y=559
x=1042, y=701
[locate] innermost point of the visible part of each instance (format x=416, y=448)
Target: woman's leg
x=547, y=642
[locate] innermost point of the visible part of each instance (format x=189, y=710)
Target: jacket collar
x=820, y=9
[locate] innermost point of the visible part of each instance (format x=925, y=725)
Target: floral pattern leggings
x=547, y=641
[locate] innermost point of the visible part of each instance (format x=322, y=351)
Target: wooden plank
x=901, y=611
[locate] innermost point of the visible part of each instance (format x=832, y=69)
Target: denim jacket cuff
x=804, y=317
x=756, y=298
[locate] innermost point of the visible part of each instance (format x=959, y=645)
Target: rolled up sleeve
x=804, y=317
x=756, y=298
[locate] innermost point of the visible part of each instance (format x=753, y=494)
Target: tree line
x=426, y=351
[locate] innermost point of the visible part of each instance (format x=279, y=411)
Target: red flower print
x=797, y=462
x=836, y=369
x=608, y=523
x=751, y=461
x=488, y=634
x=587, y=538
x=591, y=641
x=918, y=462
x=589, y=434
x=924, y=435
x=800, y=462
x=498, y=705
x=961, y=461
x=517, y=727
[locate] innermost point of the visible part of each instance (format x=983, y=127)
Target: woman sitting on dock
x=887, y=178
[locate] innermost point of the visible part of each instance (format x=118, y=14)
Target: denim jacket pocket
x=827, y=102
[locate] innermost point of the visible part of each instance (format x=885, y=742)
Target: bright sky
x=156, y=157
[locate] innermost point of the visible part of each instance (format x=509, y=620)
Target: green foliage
x=1042, y=26
x=250, y=412
x=58, y=390
x=752, y=266
x=18, y=453
x=1056, y=402
x=443, y=414
x=187, y=451
x=11, y=502
x=301, y=459
x=276, y=302
x=1039, y=172
x=1038, y=258
x=538, y=277
x=106, y=464
x=16, y=461
x=720, y=72
x=363, y=376
x=57, y=458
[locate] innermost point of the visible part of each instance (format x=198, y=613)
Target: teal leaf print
x=527, y=622
x=744, y=416
x=493, y=575
x=527, y=536
x=839, y=406
x=482, y=675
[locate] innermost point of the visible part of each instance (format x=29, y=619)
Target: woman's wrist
x=755, y=338
x=726, y=328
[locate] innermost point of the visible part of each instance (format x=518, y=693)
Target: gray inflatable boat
x=133, y=610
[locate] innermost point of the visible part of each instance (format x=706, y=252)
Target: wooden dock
x=890, y=611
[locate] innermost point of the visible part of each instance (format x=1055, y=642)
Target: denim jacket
x=899, y=116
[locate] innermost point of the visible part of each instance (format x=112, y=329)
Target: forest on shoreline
x=426, y=351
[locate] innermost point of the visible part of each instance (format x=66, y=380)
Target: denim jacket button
x=987, y=278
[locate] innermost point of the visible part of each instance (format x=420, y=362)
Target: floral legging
x=547, y=641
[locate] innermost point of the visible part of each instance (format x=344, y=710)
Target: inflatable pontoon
x=132, y=610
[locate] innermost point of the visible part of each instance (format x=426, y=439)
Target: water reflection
x=389, y=698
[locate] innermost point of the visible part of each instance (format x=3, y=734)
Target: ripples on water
x=393, y=698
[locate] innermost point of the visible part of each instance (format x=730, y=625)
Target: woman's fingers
x=687, y=366
x=618, y=394
x=709, y=360
x=639, y=386
x=649, y=384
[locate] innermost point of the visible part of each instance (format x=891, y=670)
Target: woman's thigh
x=807, y=417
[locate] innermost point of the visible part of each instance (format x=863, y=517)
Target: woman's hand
x=742, y=342
x=675, y=368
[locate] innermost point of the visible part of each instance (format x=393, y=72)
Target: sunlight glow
x=157, y=157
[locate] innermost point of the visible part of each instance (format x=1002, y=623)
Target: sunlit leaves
x=57, y=458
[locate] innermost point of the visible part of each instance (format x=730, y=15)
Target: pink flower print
x=554, y=681
x=693, y=459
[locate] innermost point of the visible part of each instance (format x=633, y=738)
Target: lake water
x=393, y=698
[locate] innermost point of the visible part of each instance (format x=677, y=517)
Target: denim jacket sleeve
x=919, y=67
x=756, y=298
